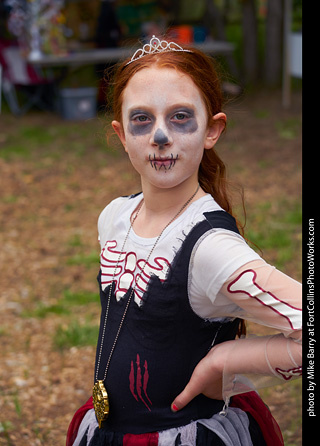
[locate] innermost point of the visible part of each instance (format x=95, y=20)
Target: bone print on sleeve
x=271, y=298
x=267, y=296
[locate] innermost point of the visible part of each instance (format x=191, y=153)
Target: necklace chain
x=133, y=289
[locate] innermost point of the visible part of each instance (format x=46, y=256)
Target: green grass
x=75, y=335
x=65, y=306
x=276, y=227
x=5, y=428
x=22, y=143
x=289, y=128
x=10, y=199
x=69, y=333
x=50, y=141
x=75, y=241
x=79, y=298
x=293, y=392
x=43, y=310
x=84, y=259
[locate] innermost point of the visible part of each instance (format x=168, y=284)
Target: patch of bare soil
x=48, y=214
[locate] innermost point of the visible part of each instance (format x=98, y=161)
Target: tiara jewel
x=156, y=46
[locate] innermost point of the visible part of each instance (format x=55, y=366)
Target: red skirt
x=250, y=402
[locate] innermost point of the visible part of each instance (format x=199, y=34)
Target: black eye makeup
x=184, y=121
x=179, y=119
x=182, y=113
x=140, y=122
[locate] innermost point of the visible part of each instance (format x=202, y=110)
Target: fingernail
x=174, y=408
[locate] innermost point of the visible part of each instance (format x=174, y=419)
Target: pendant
x=100, y=402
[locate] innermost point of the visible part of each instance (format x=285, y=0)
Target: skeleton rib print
x=130, y=271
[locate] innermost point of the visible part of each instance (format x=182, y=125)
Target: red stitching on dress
x=136, y=384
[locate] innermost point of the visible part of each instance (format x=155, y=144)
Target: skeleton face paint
x=140, y=123
x=185, y=121
x=143, y=123
x=165, y=163
x=164, y=126
x=160, y=138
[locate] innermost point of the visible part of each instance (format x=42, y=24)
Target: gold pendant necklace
x=99, y=394
x=100, y=402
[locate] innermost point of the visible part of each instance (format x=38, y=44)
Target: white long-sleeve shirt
x=227, y=279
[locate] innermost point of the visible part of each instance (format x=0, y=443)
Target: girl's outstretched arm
x=267, y=297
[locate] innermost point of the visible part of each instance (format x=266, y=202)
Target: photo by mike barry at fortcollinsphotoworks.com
x=310, y=334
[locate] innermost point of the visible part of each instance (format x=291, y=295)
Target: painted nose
x=161, y=139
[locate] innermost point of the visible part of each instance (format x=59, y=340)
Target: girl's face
x=165, y=128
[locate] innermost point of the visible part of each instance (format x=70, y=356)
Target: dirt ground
x=50, y=201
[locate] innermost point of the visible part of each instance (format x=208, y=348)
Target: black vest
x=159, y=346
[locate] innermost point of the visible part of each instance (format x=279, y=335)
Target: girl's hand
x=206, y=379
x=258, y=355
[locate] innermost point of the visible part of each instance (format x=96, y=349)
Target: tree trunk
x=214, y=17
x=274, y=43
x=250, y=41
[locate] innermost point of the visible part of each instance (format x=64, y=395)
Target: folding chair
x=17, y=74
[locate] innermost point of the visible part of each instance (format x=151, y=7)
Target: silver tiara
x=156, y=46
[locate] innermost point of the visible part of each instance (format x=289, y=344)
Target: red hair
x=203, y=72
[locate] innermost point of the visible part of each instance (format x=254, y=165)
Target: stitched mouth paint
x=165, y=163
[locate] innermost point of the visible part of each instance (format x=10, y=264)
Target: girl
x=177, y=278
